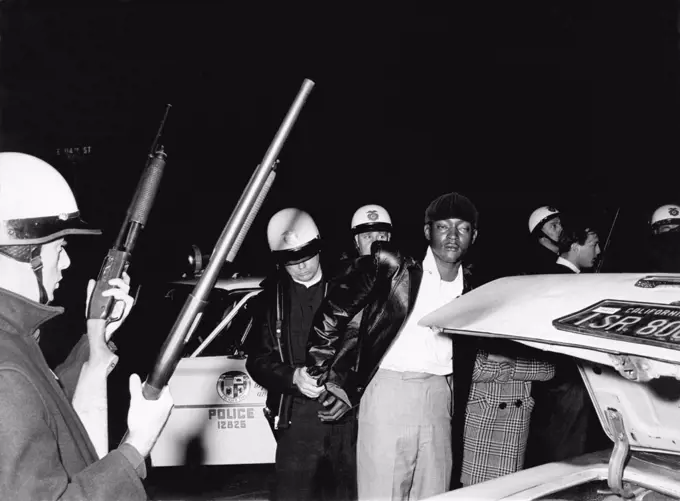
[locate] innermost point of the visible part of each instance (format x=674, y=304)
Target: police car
x=218, y=416
x=624, y=331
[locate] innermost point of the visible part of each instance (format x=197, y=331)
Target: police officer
x=665, y=219
x=46, y=452
x=545, y=228
x=370, y=223
x=664, y=241
x=564, y=422
x=277, y=352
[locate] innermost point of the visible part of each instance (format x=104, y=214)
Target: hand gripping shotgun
x=90, y=398
x=118, y=258
x=226, y=246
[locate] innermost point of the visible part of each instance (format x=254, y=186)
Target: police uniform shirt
x=304, y=301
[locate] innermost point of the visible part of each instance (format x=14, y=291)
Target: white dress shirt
x=420, y=349
x=568, y=264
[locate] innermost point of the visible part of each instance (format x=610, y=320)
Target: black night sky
x=516, y=104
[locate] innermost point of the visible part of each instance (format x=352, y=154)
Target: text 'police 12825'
x=231, y=417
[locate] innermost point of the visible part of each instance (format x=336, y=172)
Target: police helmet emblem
x=290, y=237
x=552, y=209
x=233, y=386
x=673, y=211
x=372, y=215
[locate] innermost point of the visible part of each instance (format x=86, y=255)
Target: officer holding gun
x=46, y=451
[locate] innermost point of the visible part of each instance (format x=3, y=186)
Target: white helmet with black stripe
x=371, y=218
x=541, y=216
x=293, y=236
x=370, y=223
x=666, y=218
x=36, y=203
x=37, y=206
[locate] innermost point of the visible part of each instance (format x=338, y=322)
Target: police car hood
x=623, y=325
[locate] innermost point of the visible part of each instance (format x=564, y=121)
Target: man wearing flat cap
x=401, y=372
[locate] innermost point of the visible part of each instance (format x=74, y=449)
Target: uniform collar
x=313, y=281
x=568, y=264
x=19, y=315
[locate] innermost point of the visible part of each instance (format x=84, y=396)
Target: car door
x=218, y=416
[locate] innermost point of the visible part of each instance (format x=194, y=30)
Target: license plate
x=647, y=323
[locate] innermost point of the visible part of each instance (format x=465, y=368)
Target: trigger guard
x=112, y=319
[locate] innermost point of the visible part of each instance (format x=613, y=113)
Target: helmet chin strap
x=545, y=235
x=29, y=254
x=37, y=267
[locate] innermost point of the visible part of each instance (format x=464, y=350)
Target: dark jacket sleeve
x=348, y=294
x=264, y=360
x=30, y=462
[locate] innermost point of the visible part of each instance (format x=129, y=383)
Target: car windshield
x=161, y=307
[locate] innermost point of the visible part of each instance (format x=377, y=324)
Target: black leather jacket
x=383, y=287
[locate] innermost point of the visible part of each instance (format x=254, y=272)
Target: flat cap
x=452, y=206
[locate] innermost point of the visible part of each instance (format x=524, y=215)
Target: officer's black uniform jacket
x=663, y=254
x=539, y=260
x=564, y=422
x=264, y=362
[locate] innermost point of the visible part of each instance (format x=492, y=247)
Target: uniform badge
x=290, y=238
x=233, y=386
x=372, y=215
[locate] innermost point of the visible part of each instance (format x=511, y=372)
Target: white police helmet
x=371, y=218
x=666, y=214
x=541, y=216
x=36, y=203
x=36, y=206
x=293, y=236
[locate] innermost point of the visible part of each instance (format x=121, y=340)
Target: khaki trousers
x=404, y=441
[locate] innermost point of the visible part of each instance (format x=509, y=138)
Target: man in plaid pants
x=497, y=415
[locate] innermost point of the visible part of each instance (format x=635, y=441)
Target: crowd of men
x=386, y=409
x=364, y=402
